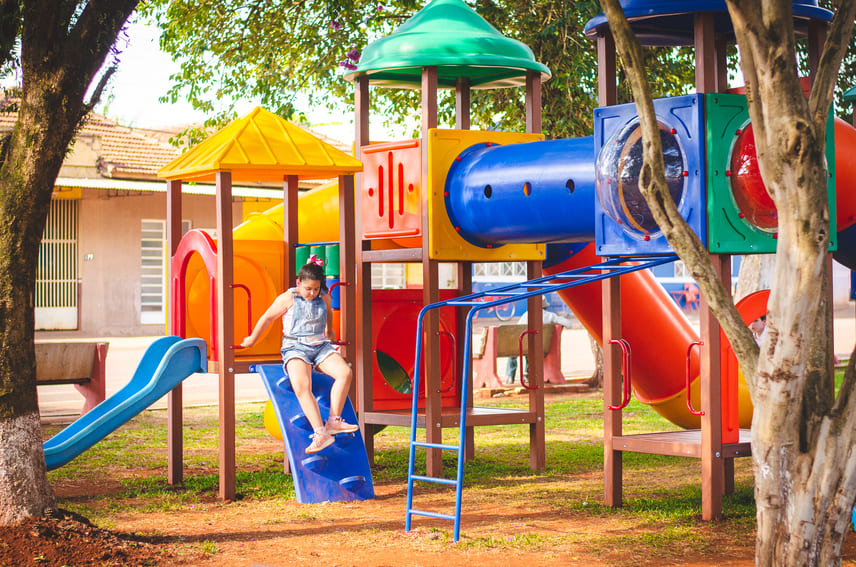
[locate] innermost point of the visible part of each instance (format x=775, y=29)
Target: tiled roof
x=130, y=153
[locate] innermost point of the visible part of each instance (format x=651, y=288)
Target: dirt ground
x=255, y=532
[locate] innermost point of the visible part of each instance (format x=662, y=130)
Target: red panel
x=394, y=315
x=390, y=192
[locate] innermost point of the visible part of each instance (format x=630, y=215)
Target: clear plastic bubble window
x=617, y=178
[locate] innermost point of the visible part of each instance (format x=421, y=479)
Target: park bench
x=79, y=363
x=504, y=340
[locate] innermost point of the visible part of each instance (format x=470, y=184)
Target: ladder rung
x=436, y=479
x=432, y=514
x=436, y=446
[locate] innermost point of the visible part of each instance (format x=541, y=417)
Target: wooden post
x=607, y=87
x=705, y=53
x=464, y=360
x=363, y=288
x=533, y=101
x=430, y=289
x=174, y=401
x=537, y=430
x=462, y=104
x=712, y=463
x=612, y=389
x=225, y=332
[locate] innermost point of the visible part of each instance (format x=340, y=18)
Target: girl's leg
x=300, y=374
x=336, y=367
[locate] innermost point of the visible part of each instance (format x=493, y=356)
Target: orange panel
x=391, y=198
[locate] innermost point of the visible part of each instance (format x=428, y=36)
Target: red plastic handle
x=689, y=401
x=520, y=343
x=625, y=371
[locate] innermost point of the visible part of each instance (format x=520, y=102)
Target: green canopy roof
x=850, y=94
x=450, y=35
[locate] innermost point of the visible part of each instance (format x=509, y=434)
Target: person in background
x=306, y=326
x=549, y=318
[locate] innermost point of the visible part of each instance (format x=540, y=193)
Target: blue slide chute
x=165, y=364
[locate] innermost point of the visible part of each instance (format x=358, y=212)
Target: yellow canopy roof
x=261, y=146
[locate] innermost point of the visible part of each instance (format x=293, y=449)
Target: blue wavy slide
x=165, y=364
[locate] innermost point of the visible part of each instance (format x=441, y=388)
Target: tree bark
x=802, y=435
x=63, y=45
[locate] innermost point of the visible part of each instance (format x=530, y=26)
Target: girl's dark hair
x=313, y=272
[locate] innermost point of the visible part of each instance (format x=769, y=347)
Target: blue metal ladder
x=540, y=286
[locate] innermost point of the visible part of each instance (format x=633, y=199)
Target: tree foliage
x=232, y=50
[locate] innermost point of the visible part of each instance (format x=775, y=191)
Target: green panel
x=331, y=267
x=725, y=116
x=301, y=256
x=319, y=251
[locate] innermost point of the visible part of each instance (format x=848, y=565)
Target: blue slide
x=338, y=473
x=165, y=364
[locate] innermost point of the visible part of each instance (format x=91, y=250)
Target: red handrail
x=454, y=363
x=625, y=370
x=689, y=401
x=520, y=343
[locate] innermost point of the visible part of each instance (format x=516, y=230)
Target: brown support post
x=290, y=235
x=347, y=273
x=537, y=433
x=612, y=390
x=533, y=101
x=362, y=290
x=816, y=39
x=607, y=87
x=462, y=103
x=705, y=53
x=464, y=359
x=290, y=238
x=721, y=62
x=225, y=332
x=174, y=401
x=430, y=289
x=712, y=463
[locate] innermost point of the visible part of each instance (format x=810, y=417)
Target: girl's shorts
x=311, y=355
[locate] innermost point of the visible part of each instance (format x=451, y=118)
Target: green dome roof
x=450, y=35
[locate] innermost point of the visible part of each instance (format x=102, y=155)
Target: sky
x=143, y=77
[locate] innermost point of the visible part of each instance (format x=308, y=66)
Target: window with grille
x=153, y=258
x=499, y=271
x=57, y=272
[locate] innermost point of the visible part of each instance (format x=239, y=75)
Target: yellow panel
x=67, y=193
x=444, y=241
x=260, y=206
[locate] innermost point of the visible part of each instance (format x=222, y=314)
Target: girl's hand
x=247, y=342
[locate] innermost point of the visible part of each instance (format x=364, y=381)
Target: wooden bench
x=81, y=364
x=504, y=340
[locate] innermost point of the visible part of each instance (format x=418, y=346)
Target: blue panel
x=620, y=229
x=338, y=473
x=523, y=193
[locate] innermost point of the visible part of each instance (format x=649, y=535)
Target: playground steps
x=610, y=268
x=339, y=472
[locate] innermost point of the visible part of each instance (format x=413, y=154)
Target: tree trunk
x=802, y=435
x=63, y=45
x=596, y=380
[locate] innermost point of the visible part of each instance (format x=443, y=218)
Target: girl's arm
x=276, y=310
x=327, y=303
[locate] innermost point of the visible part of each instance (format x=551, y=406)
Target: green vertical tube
x=318, y=251
x=301, y=257
x=331, y=268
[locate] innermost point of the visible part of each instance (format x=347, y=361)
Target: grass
x=662, y=494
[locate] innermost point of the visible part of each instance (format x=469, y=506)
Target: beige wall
x=109, y=231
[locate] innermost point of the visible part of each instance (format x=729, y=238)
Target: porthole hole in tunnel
x=570, y=185
x=488, y=191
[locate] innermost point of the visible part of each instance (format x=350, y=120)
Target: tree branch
x=837, y=42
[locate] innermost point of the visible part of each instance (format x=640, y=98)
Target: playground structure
x=461, y=196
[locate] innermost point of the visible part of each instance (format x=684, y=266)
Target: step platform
x=337, y=473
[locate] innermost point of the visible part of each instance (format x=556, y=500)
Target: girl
x=304, y=312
